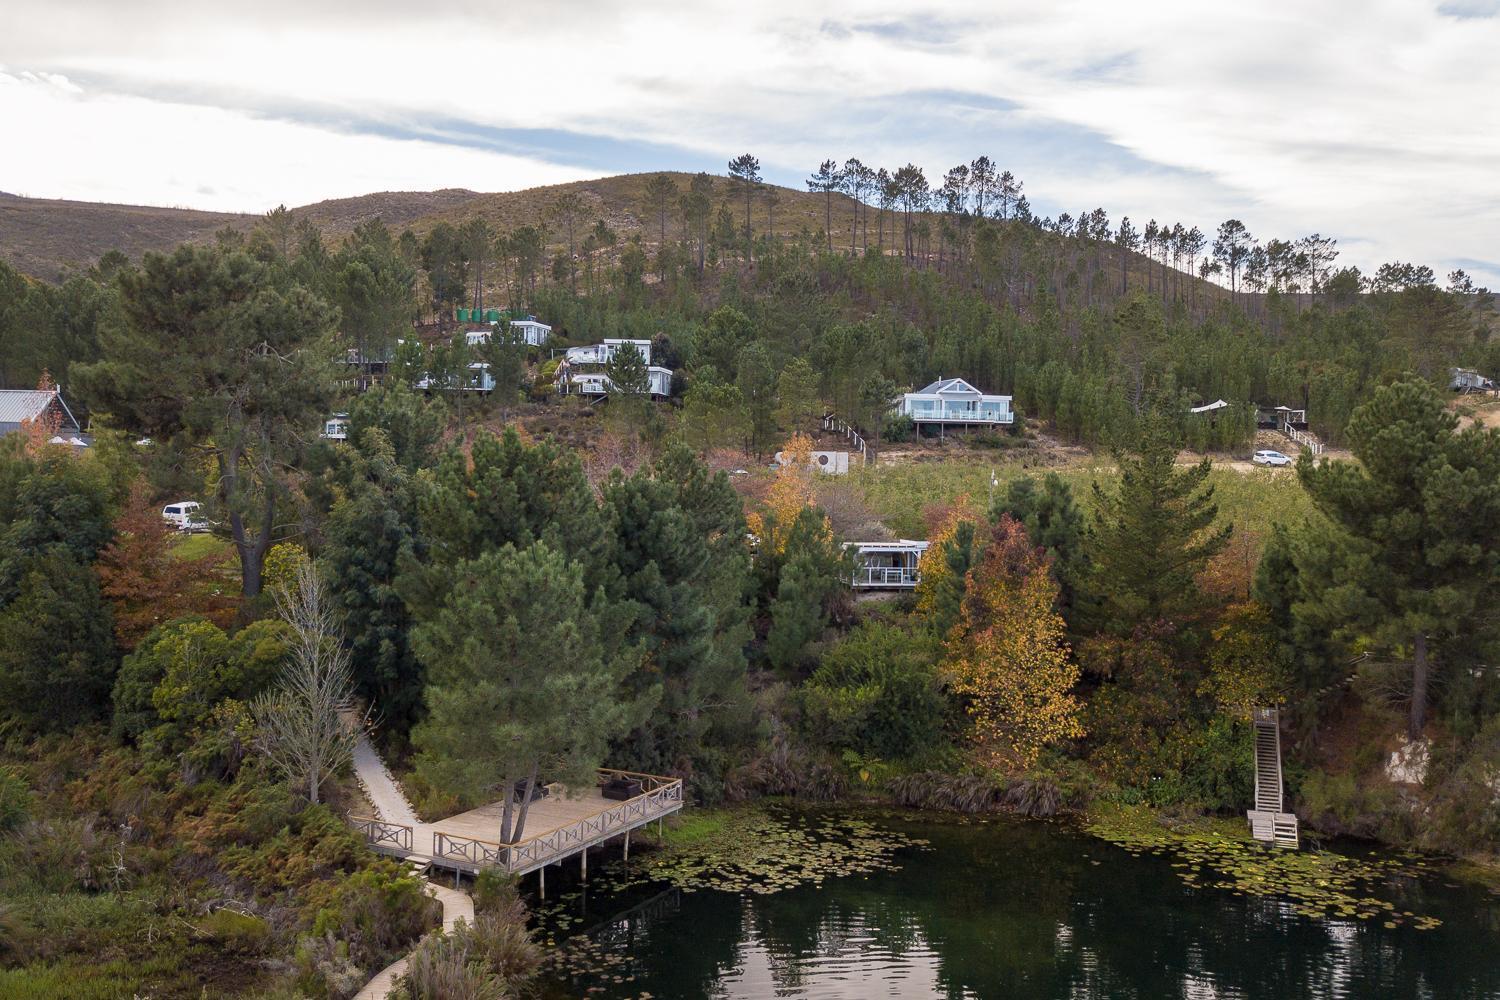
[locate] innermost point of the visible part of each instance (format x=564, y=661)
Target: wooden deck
x=557, y=827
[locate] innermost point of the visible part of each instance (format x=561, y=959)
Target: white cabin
x=954, y=402
x=830, y=463
x=603, y=354
x=886, y=565
x=531, y=331
x=1469, y=380
x=479, y=380
x=336, y=428
x=597, y=383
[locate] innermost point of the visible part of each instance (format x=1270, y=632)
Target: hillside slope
x=46, y=237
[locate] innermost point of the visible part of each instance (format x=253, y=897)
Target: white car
x=184, y=516
x=1268, y=457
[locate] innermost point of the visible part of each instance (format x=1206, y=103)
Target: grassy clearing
x=200, y=545
x=1251, y=500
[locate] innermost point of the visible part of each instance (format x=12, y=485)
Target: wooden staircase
x=1268, y=823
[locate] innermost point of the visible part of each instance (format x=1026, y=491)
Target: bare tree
x=304, y=726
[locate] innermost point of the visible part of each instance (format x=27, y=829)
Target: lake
x=1015, y=909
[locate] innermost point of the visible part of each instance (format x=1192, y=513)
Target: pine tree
x=1153, y=533
x=1416, y=557
x=1052, y=520
x=524, y=680
x=744, y=170
x=222, y=357
x=674, y=536
x=797, y=402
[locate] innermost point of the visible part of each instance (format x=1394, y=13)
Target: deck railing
x=1305, y=439
x=885, y=576
x=379, y=833
x=659, y=797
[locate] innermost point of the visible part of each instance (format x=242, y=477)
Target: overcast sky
x=1376, y=122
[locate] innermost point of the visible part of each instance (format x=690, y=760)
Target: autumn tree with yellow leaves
x=791, y=493
x=1006, y=657
x=945, y=565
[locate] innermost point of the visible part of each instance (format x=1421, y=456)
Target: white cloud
x=137, y=151
x=1371, y=120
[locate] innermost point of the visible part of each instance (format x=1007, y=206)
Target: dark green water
x=1016, y=909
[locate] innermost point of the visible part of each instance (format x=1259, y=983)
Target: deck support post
x=659, y=838
x=627, y=845
x=583, y=864
x=541, y=882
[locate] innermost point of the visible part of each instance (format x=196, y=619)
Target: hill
x=47, y=238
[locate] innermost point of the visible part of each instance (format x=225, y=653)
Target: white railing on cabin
x=885, y=576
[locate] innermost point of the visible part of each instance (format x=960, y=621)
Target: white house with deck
x=597, y=383
x=886, y=565
x=336, y=428
x=603, y=354
x=531, y=331
x=953, y=402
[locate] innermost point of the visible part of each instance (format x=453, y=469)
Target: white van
x=184, y=516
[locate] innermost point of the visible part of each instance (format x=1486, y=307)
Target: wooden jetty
x=558, y=826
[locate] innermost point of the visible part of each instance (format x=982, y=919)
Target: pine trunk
x=1418, y=720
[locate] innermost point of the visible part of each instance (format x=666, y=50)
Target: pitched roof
x=949, y=385
x=17, y=405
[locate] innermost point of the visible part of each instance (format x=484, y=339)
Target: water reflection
x=1026, y=910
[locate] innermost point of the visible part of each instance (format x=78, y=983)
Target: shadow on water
x=1014, y=908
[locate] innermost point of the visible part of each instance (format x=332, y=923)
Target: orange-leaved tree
x=951, y=531
x=789, y=495
x=147, y=582
x=1006, y=657
x=38, y=432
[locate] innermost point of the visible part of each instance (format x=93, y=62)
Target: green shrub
x=430, y=802
x=1464, y=813
x=235, y=932
x=15, y=799
x=495, y=891
x=898, y=429
x=378, y=912
x=60, y=855
x=494, y=957
x=1218, y=771
x=877, y=693
x=1342, y=804
x=438, y=969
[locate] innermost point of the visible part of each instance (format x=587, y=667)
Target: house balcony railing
x=978, y=415
x=885, y=577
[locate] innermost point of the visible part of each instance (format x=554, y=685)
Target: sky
x=1374, y=122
